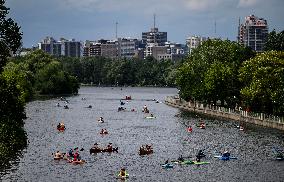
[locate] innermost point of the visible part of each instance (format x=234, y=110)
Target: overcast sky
x=95, y=19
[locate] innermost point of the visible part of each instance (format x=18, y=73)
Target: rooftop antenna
x=116, y=23
x=154, y=28
x=154, y=20
x=215, y=28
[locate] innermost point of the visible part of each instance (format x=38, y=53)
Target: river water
x=129, y=130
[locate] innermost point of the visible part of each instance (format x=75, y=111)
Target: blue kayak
x=167, y=165
x=224, y=158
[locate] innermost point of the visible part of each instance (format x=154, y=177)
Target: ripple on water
x=129, y=130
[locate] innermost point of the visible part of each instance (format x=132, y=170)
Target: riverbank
x=227, y=113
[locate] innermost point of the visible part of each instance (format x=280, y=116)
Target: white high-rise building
x=193, y=42
x=253, y=33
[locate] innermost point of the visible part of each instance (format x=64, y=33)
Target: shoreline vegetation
x=227, y=73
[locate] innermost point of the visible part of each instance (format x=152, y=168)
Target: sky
x=96, y=19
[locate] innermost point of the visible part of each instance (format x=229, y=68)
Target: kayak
x=188, y=162
x=279, y=158
x=123, y=177
x=167, y=166
x=200, y=163
x=150, y=117
x=224, y=158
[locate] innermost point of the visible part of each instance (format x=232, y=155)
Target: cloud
x=146, y=5
x=247, y=3
x=202, y=5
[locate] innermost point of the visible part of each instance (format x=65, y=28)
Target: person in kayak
x=76, y=156
x=58, y=154
x=101, y=119
x=181, y=158
x=167, y=161
x=280, y=155
x=189, y=129
x=70, y=153
x=96, y=146
x=109, y=147
x=199, y=155
x=59, y=126
x=122, y=172
x=226, y=154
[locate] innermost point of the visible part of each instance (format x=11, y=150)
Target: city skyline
x=96, y=19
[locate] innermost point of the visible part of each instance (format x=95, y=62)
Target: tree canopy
x=211, y=72
x=263, y=78
x=275, y=41
x=10, y=35
x=12, y=135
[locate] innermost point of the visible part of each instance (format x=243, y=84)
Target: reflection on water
x=129, y=130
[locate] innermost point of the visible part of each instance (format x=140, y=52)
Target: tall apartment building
x=51, y=46
x=93, y=48
x=110, y=49
x=71, y=48
x=128, y=47
x=174, y=52
x=63, y=47
x=154, y=36
x=193, y=42
x=253, y=33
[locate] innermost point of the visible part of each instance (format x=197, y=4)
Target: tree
x=263, y=78
x=10, y=35
x=275, y=41
x=52, y=80
x=210, y=73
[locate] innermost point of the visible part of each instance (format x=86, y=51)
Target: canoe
x=57, y=158
x=145, y=152
x=92, y=150
x=224, y=158
x=77, y=162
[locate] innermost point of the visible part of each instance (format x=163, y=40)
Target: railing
x=242, y=114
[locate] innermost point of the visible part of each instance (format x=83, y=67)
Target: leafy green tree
x=275, y=41
x=16, y=73
x=12, y=135
x=211, y=72
x=52, y=80
x=10, y=35
x=263, y=78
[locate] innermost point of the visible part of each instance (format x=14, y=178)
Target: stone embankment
x=227, y=113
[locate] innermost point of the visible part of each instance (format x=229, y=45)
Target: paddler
x=189, y=129
x=58, y=154
x=199, y=155
x=226, y=154
x=181, y=159
x=122, y=172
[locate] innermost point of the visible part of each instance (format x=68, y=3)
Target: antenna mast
x=116, y=23
x=215, y=28
x=154, y=20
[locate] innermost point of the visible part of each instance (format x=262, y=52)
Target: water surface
x=129, y=130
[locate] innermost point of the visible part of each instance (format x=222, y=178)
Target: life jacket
x=189, y=129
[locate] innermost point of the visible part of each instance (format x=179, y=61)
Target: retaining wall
x=241, y=116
